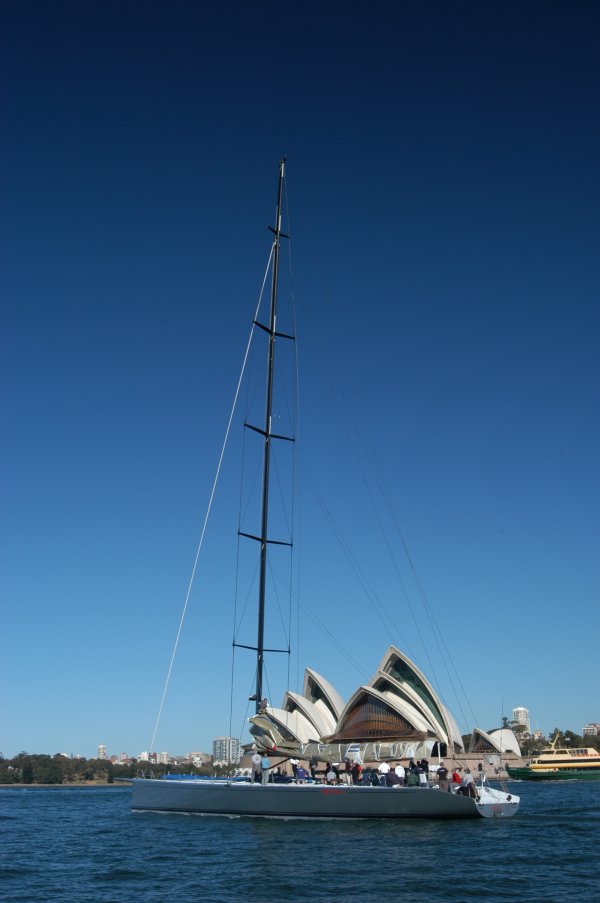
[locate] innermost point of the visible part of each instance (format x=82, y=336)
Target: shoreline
x=71, y=786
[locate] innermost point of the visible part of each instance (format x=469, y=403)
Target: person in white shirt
x=401, y=772
x=467, y=787
x=256, y=766
x=384, y=770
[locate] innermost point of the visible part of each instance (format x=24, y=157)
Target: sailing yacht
x=406, y=710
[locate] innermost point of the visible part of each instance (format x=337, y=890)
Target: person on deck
x=347, y=770
x=467, y=787
x=442, y=774
x=384, y=770
x=256, y=767
x=264, y=774
x=401, y=772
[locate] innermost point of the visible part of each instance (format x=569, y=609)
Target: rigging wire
x=231, y=693
x=208, y=510
x=237, y=551
x=285, y=628
x=325, y=630
x=287, y=518
x=437, y=633
x=335, y=642
x=388, y=545
x=266, y=674
x=237, y=624
x=370, y=593
x=244, y=720
x=442, y=647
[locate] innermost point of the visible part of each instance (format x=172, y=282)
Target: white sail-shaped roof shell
x=502, y=740
x=399, y=669
x=294, y=722
x=399, y=691
x=505, y=740
x=319, y=716
x=328, y=697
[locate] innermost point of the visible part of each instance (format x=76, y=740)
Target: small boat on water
x=304, y=799
x=560, y=763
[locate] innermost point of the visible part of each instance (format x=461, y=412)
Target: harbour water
x=83, y=845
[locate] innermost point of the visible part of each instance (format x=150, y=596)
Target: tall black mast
x=268, y=435
x=260, y=650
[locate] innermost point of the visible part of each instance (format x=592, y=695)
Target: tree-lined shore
x=26, y=768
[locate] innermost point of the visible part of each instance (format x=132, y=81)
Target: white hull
x=233, y=798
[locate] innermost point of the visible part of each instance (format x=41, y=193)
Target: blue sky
x=444, y=193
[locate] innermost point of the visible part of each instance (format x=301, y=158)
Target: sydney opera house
x=396, y=714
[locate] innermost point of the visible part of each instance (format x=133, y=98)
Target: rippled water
x=82, y=845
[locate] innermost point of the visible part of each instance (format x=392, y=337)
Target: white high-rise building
x=591, y=730
x=521, y=716
x=226, y=750
x=102, y=751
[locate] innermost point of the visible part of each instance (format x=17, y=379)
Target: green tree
x=518, y=729
x=47, y=771
x=8, y=773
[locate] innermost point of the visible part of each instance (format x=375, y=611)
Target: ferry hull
x=563, y=774
x=313, y=800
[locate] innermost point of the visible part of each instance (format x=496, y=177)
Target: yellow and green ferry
x=560, y=764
